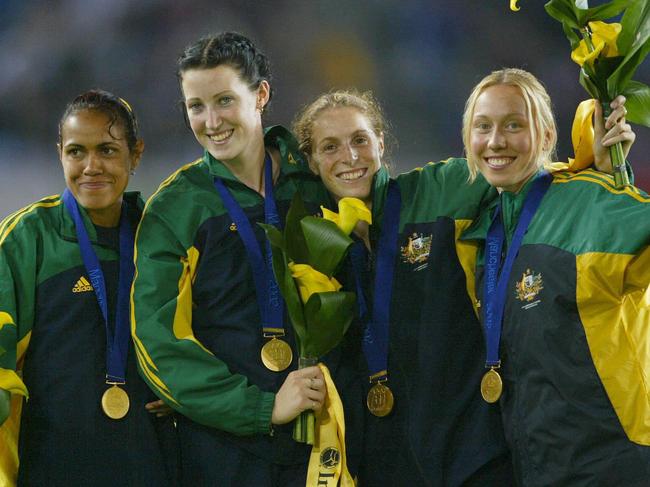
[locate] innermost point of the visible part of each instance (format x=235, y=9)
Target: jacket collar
x=291, y=159
x=67, y=227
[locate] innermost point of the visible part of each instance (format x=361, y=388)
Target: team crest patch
x=330, y=457
x=528, y=288
x=416, y=250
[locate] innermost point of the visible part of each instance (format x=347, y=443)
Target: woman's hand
x=5, y=405
x=609, y=132
x=159, y=408
x=302, y=390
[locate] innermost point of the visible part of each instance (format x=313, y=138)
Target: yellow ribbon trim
x=9, y=443
x=582, y=136
x=328, y=463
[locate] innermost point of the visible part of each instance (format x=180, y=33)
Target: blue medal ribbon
x=375, y=340
x=269, y=298
x=495, y=284
x=117, y=341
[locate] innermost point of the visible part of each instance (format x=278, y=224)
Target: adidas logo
x=82, y=286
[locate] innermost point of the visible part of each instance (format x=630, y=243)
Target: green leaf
x=634, y=21
x=603, y=12
x=588, y=84
x=638, y=103
x=274, y=236
x=603, y=69
x=565, y=11
x=636, y=41
x=296, y=247
x=574, y=39
x=618, y=81
x=328, y=316
x=326, y=242
x=285, y=281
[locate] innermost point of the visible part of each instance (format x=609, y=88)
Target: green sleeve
x=442, y=189
x=17, y=290
x=178, y=368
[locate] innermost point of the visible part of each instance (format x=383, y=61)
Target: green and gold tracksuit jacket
x=574, y=344
x=53, y=348
x=440, y=432
x=196, y=321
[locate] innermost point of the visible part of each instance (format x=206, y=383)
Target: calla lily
x=351, y=210
x=513, y=5
x=603, y=38
x=311, y=281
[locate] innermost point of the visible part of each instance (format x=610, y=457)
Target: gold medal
x=380, y=400
x=491, y=386
x=276, y=355
x=115, y=402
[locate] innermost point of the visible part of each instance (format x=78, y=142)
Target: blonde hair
x=543, y=131
x=365, y=102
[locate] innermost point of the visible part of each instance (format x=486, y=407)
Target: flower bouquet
x=306, y=254
x=609, y=54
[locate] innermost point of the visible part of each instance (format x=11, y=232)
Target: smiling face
x=500, y=138
x=96, y=163
x=224, y=113
x=346, y=152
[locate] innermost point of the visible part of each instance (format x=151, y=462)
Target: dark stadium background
x=420, y=57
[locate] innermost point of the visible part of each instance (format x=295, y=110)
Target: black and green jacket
x=53, y=350
x=574, y=353
x=196, y=321
x=441, y=432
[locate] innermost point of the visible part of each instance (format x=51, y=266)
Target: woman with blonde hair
x=563, y=281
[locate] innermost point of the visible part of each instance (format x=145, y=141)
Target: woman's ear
x=136, y=155
x=263, y=95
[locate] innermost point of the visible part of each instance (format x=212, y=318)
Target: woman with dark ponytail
x=73, y=409
x=206, y=306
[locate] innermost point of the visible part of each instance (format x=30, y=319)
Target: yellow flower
x=311, y=281
x=603, y=38
x=351, y=210
x=513, y=5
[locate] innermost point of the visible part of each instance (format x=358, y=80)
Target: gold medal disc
x=115, y=402
x=380, y=400
x=491, y=386
x=276, y=355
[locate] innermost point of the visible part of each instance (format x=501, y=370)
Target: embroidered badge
x=233, y=227
x=82, y=286
x=528, y=288
x=291, y=159
x=416, y=250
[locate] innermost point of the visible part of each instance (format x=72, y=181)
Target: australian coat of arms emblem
x=529, y=286
x=416, y=250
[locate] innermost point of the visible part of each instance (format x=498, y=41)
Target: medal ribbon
x=268, y=294
x=117, y=342
x=375, y=341
x=495, y=283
